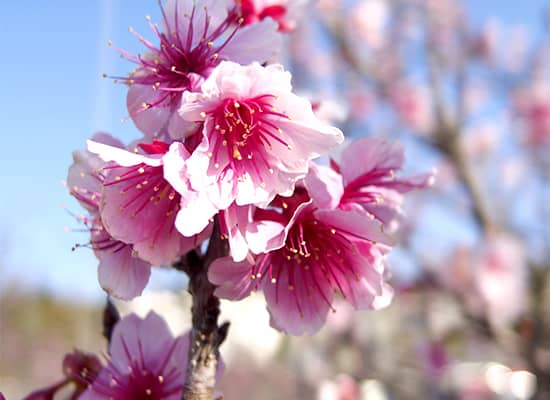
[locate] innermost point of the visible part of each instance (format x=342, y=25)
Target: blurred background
x=465, y=85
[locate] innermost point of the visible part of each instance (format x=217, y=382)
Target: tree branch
x=206, y=335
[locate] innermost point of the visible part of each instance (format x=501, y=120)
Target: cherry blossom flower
x=195, y=37
x=532, y=105
x=121, y=273
x=284, y=12
x=138, y=204
x=500, y=273
x=257, y=140
x=325, y=250
x=146, y=361
x=414, y=106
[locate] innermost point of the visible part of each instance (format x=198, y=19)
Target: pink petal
x=179, y=129
x=133, y=336
x=355, y=224
x=365, y=155
x=121, y=156
x=265, y=236
x=258, y=42
x=170, y=246
x=407, y=184
x=299, y=310
x=308, y=141
x=175, y=169
x=233, y=279
x=121, y=274
x=195, y=213
x=324, y=185
x=369, y=286
x=150, y=121
x=177, y=15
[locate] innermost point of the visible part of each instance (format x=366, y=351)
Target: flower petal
x=121, y=274
x=300, y=307
x=233, y=278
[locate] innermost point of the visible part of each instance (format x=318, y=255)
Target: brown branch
x=448, y=141
x=206, y=335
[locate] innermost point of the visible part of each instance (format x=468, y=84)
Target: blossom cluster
x=145, y=361
x=227, y=141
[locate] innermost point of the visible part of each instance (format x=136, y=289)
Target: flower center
x=167, y=68
x=243, y=131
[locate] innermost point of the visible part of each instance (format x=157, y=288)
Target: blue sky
x=53, y=58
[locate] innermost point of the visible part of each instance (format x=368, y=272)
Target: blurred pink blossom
x=145, y=361
x=367, y=22
x=532, y=105
x=285, y=12
x=501, y=274
x=343, y=388
x=414, y=106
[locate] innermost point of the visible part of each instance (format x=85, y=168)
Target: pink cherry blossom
x=258, y=137
x=326, y=250
x=414, y=106
x=532, y=105
x=139, y=206
x=500, y=272
x=195, y=37
x=146, y=361
x=284, y=12
x=121, y=273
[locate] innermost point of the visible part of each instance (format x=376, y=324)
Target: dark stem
x=110, y=319
x=206, y=335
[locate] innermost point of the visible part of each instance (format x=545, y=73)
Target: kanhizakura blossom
x=121, y=273
x=284, y=12
x=146, y=362
x=327, y=237
x=257, y=139
x=324, y=250
x=195, y=37
x=138, y=204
